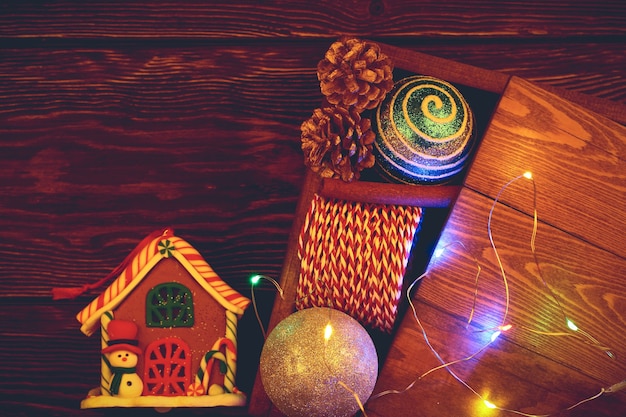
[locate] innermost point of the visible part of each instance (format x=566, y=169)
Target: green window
x=169, y=305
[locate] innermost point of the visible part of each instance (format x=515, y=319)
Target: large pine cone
x=354, y=73
x=337, y=143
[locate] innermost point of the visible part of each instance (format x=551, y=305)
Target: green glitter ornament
x=424, y=131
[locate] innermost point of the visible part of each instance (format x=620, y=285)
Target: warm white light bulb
x=528, y=175
x=495, y=335
x=506, y=327
x=489, y=404
x=328, y=331
x=572, y=325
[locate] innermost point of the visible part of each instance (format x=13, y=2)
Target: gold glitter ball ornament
x=314, y=360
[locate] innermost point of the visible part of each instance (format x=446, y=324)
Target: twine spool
x=353, y=257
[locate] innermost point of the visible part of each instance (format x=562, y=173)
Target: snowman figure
x=121, y=356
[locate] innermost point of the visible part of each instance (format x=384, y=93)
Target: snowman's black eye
x=127, y=354
x=119, y=356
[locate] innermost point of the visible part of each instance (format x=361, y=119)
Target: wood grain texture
x=523, y=370
x=120, y=118
x=578, y=160
x=102, y=147
x=507, y=374
x=180, y=82
x=577, y=275
x=75, y=122
x=86, y=202
x=303, y=19
x=396, y=194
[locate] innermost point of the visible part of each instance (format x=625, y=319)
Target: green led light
x=571, y=325
x=255, y=279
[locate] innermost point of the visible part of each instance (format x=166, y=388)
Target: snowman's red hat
x=122, y=336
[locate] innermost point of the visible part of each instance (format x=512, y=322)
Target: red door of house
x=167, y=367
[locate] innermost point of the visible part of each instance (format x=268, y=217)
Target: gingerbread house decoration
x=169, y=331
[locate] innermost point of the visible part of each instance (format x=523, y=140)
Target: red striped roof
x=145, y=259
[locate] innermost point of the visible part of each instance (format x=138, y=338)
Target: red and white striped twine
x=353, y=257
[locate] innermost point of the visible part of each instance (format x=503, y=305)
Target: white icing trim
x=101, y=401
x=204, y=284
x=89, y=326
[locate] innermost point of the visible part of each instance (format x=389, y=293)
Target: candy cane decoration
x=230, y=342
x=207, y=365
x=200, y=386
x=105, y=379
x=137, y=260
x=201, y=382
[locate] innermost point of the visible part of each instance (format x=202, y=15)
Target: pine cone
x=355, y=73
x=337, y=143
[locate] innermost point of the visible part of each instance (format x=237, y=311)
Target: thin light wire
x=430, y=346
x=459, y=379
x=326, y=291
x=331, y=372
x=355, y=395
x=256, y=313
x=533, y=238
x=473, y=310
x=592, y=341
x=471, y=314
x=581, y=402
x=254, y=305
x=507, y=293
x=476, y=277
x=447, y=365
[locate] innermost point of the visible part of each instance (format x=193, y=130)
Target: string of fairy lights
x=570, y=329
x=505, y=326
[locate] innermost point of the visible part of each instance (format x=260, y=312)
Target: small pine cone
x=337, y=143
x=355, y=73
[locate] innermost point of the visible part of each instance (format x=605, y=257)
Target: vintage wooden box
x=490, y=94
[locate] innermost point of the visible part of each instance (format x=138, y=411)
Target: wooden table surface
x=117, y=119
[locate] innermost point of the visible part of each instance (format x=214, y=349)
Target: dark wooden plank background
x=117, y=119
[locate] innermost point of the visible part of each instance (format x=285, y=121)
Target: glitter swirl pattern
x=424, y=131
